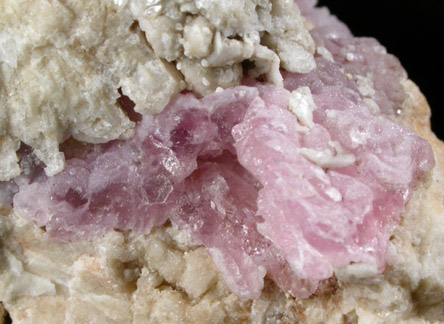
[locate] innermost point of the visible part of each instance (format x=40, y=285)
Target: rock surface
x=323, y=118
x=60, y=77
x=248, y=180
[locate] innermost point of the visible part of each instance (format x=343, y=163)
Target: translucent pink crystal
x=355, y=57
x=127, y=185
x=230, y=170
x=322, y=219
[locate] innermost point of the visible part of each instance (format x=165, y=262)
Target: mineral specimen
x=291, y=182
x=248, y=180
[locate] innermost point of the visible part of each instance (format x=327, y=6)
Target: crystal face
x=232, y=169
x=286, y=182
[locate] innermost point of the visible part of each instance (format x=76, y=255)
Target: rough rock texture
x=60, y=76
x=210, y=39
x=332, y=190
x=49, y=67
x=165, y=277
x=149, y=278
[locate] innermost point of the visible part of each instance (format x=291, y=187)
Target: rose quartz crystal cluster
x=269, y=190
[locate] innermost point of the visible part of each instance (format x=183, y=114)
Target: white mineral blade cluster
x=60, y=76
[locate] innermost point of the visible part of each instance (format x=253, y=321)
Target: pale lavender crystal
x=126, y=185
x=321, y=17
x=230, y=170
x=355, y=57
